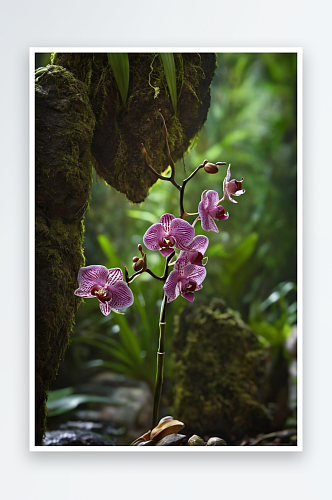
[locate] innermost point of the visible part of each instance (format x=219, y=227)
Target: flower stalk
x=111, y=288
x=161, y=351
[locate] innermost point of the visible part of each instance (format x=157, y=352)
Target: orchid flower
x=208, y=209
x=185, y=279
x=195, y=253
x=105, y=284
x=167, y=233
x=232, y=187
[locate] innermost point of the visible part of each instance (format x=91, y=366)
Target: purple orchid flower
x=232, y=187
x=167, y=233
x=105, y=284
x=185, y=279
x=196, y=251
x=208, y=209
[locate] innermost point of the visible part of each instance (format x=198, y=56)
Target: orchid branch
x=161, y=350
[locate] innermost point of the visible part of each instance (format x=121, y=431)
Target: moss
x=121, y=130
x=219, y=367
x=64, y=128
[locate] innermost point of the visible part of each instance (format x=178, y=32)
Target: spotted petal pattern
x=122, y=296
x=184, y=280
x=104, y=284
x=88, y=277
x=196, y=251
x=208, y=209
x=167, y=233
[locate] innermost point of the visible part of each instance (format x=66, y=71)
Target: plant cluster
x=168, y=236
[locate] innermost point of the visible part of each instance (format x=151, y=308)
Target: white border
x=187, y=449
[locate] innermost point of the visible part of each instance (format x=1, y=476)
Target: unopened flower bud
x=138, y=265
x=211, y=168
x=135, y=259
x=140, y=248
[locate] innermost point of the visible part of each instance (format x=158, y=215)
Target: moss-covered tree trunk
x=80, y=122
x=64, y=128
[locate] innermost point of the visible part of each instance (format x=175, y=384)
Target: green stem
x=161, y=352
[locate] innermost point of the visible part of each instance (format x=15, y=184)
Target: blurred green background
x=252, y=260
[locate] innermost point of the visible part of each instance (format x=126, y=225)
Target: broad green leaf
x=170, y=74
x=119, y=63
x=68, y=403
x=59, y=393
x=108, y=250
x=281, y=290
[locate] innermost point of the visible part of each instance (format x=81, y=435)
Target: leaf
x=141, y=215
x=68, y=403
x=170, y=74
x=239, y=257
x=108, y=250
x=119, y=63
x=280, y=291
x=59, y=393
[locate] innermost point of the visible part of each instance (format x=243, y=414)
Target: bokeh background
x=252, y=260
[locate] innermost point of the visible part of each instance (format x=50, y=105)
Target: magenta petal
x=81, y=293
x=238, y=193
x=229, y=196
x=90, y=276
x=204, y=216
x=195, y=273
x=114, y=275
x=189, y=296
x=228, y=175
x=166, y=251
x=181, y=265
x=166, y=221
x=200, y=244
x=153, y=236
x=212, y=198
x=171, y=287
x=122, y=296
x=105, y=308
x=182, y=232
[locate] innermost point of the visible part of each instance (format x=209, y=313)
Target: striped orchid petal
x=170, y=232
x=232, y=187
x=208, y=209
x=90, y=276
x=196, y=251
x=106, y=285
x=185, y=279
x=122, y=296
x=114, y=275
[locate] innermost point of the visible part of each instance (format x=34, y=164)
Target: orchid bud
x=211, y=168
x=138, y=264
x=135, y=259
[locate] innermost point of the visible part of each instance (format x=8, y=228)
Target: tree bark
x=81, y=122
x=64, y=128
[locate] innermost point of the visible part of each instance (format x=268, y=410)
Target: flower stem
x=161, y=352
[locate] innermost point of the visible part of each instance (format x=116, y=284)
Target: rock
x=219, y=366
x=76, y=438
x=136, y=415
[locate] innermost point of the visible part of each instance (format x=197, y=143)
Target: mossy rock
x=64, y=128
x=122, y=129
x=219, y=368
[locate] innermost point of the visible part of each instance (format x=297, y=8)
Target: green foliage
x=273, y=318
x=119, y=63
x=170, y=74
x=125, y=350
x=65, y=400
x=252, y=125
